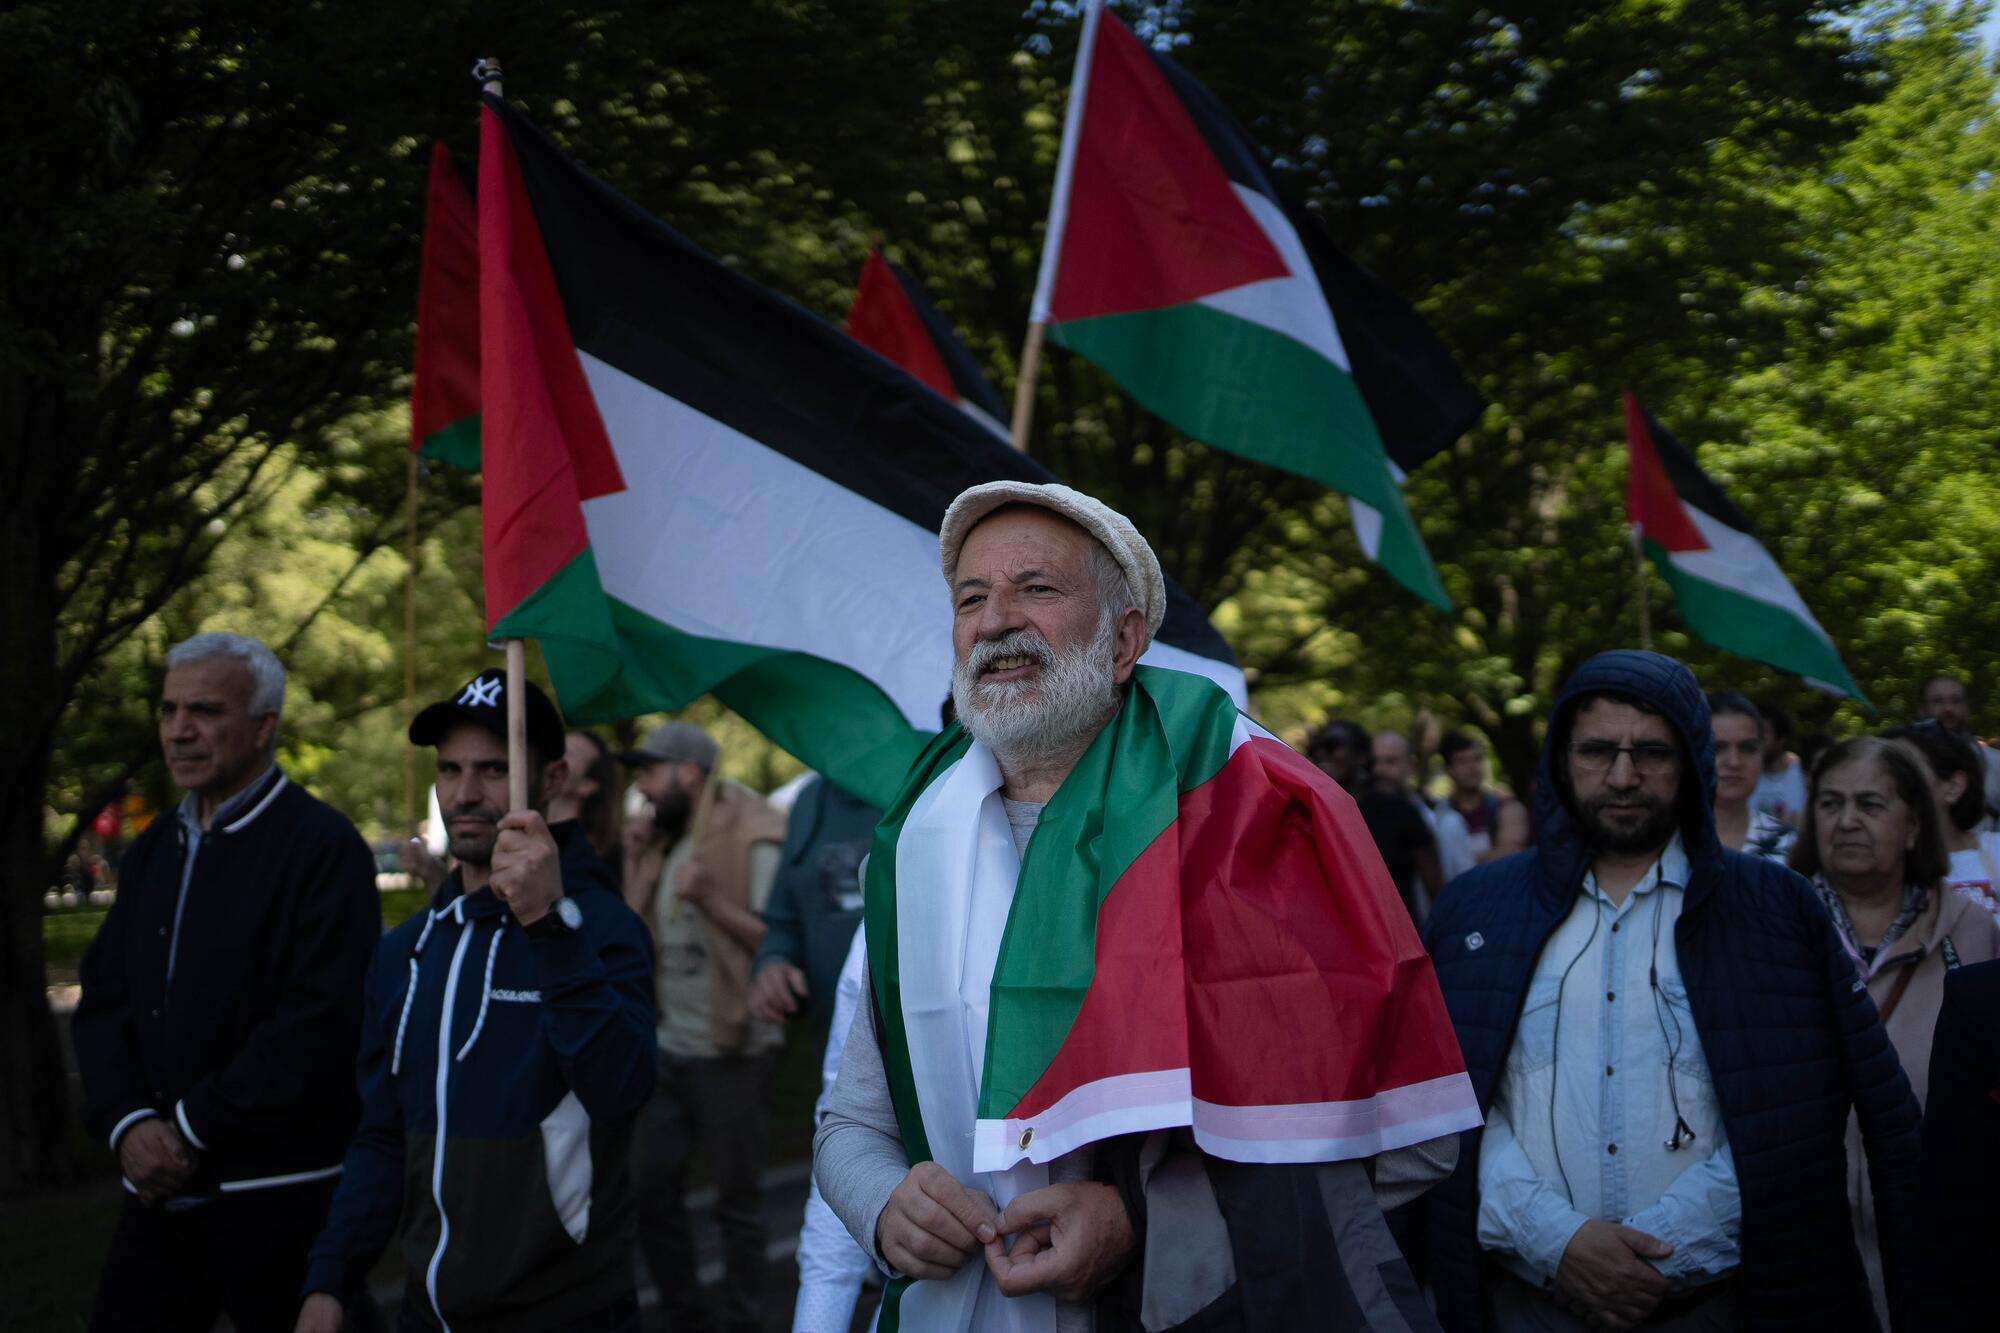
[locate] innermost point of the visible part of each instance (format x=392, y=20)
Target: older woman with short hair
x=1874, y=846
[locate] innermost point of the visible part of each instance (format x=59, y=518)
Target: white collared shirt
x=1585, y=1107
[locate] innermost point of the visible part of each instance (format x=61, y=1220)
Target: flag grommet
x=1027, y=1137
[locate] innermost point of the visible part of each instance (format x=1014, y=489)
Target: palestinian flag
x=1172, y=262
x=1201, y=934
x=693, y=486
x=892, y=315
x=444, y=390
x=1728, y=588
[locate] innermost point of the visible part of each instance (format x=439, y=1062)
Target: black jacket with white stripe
x=501, y=1076
x=235, y=1013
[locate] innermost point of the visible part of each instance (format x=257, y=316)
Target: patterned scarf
x=1915, y=899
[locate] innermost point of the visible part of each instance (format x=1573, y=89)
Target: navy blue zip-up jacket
x=1791, y=1038
x=248, y=1044
x=500, y=1077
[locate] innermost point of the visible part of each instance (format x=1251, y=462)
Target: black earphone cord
x=1663, y=1012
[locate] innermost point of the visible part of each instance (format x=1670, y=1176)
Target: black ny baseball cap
x=483, y=703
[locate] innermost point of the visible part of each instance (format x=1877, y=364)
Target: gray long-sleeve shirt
x=858, y=1156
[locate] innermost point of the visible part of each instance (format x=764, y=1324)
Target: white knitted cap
x=1113, y=531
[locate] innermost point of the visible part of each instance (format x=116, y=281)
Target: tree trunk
x=34, y=1097
x=34, y=1092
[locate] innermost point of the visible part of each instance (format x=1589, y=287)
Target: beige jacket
x=1974, y=937
x=737, y=820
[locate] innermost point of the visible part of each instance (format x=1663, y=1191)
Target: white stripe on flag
x=1737, y=561
x=1294, y=306
x=1170, y=658
x=719, y=535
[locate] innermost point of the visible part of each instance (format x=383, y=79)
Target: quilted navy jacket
x=1791, y=1038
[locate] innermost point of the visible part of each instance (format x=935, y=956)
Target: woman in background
x=591, y=795
x=1874, y=847
x=1958, y=777
x=1739, y=763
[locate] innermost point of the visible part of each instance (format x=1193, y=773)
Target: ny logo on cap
x=482, y=693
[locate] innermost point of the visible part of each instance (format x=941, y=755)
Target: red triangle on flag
x=1153, y=221
x=444, y=387
x=543, y=442
x=883, y=320
x=1652, y=505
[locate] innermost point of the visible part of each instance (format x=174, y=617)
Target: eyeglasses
x=1650, y=758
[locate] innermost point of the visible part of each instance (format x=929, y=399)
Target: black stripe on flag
x=642, y=298
x=1420, y=402
x=1690, y=482
x=966, y=376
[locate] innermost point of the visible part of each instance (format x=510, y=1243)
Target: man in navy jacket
x=221, y=1010
x=506, y=1048
x=1700, y=1182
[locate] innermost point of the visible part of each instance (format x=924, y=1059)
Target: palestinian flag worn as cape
x=1172, y=262
x=892, y=315
x=444, y=388
x=1201, y=934
x=1726, y=585
x=693, y=486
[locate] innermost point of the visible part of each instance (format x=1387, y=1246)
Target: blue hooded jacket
x=1791, y=1038
x=501, y=1076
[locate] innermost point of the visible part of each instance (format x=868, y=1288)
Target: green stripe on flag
x=609, y=661
x=1254, y=392
x=1172, y=735
x=1752, y=627
x=455, y=445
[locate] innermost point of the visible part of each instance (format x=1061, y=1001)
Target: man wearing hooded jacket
x=1667, y=1040
x=506, y=1050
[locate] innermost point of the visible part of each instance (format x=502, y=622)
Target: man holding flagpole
x=1149, y=1027
x=506, y=1052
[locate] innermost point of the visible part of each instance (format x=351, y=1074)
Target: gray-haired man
x=1019, y=1159
x=221, y=1011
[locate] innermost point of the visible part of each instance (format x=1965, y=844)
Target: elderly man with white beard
x=1150, y=1041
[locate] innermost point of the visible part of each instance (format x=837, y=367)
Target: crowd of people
x=1153, y=1024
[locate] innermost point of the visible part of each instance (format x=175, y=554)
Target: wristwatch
x=564, y=918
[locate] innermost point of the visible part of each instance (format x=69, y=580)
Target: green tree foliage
x=1770, y=221
x=1578, y=197
x=1867, y=448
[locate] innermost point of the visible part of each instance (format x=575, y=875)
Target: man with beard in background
x=698, y=872
x=1943, y=701
x=1667, y=1039
x=1179, y=1158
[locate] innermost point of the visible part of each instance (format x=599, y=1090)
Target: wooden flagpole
x=410, y=644
x=1024, y=383
x=1039, y=312
x=517, y=724
x=1639, y=577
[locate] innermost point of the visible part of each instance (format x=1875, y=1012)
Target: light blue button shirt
x=1585, y=1108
